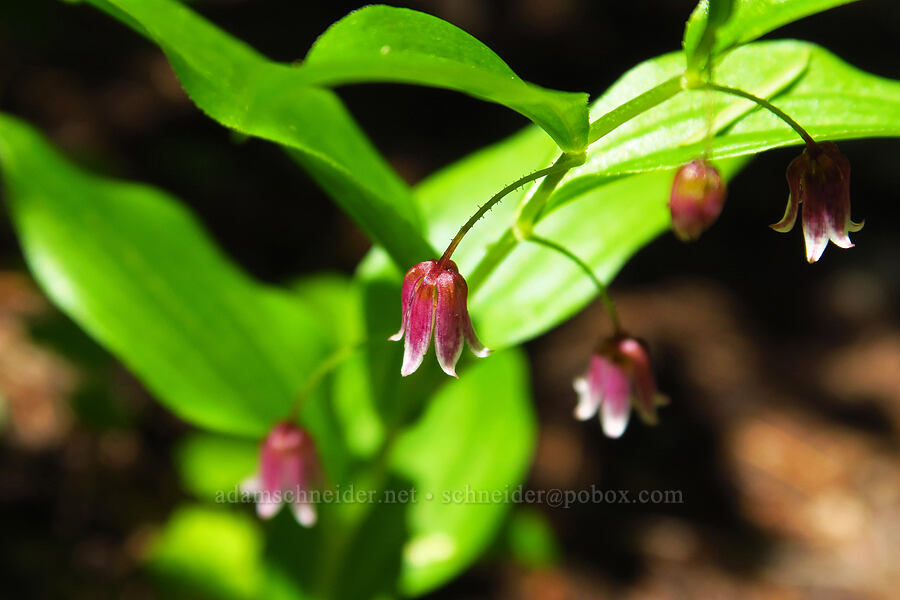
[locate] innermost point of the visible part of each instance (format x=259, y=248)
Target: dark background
x=784, y=377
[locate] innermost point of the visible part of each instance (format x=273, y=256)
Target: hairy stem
x=559, y=167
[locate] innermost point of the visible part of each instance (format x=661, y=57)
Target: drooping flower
x=287, y=468
x=819, y=179
x=698, y=194
x=434, y=299
x=619, y=376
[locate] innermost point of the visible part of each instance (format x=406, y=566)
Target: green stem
x=601, y=288
x=530, y=211
x=766, y=105
x=566, y=162
x=625, y=112
x=325, y=367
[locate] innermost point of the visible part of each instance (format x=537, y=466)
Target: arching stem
x=601, y=288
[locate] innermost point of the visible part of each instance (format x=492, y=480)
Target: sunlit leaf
x=465, y=457
x=383, y=43
x=831, y=99
x=213, y=466
x=135, y=270
x=208, y=553
x=244, y=91
x=751, y=19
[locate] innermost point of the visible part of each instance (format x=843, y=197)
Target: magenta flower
x=819, y=179
x=434, y=298
x=287, y=467
x=618, y=376
x=698, y=194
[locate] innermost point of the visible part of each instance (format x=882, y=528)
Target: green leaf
x=829, y=98
x=136, y=271
x=244, y=91
x=613, y=213
x=474, y=442
x=208, y=553
x=383, y=43
x=212, y=466
x=750, y=19
x=700, y=32
x=534, y=289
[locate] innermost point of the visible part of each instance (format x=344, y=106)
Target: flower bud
x=819, y=179
x=619, y=375
x=434, y=298
x=287, y=467
x=698, y=194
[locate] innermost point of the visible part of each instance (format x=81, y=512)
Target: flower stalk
x=810, y=142
x=608, y=303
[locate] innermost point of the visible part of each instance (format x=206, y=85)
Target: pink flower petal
x=642, y=374
x=815, y=229
x=410, y=282
x=421, y=322
x=448, y=335
x=615, y=394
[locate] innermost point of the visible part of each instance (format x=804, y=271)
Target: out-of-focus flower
x=819, y=179
x=434, y=298
x=618, y=376
x=698, y=194
x=287, y=468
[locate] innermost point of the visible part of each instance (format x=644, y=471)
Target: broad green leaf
x=213, y=466
x=763, y=69
x=830, y=98
x=207, y=552
x=612, y=213
x=383, y=43
x=751, y=19
x=136, y=271
x=535, y=289
x=244, y=91
x=475, y=441
x=701, y=29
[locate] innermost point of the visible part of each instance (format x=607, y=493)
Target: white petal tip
x=584, y=411
x=615, y=423
x=614, y=428
x=396, y=337
x=304, y=514
x=267, y=510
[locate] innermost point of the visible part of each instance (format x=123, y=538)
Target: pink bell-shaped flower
x=698, y=194
x=433, y=299
x=819, y=179
x=618, y=376
x=287, y=467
